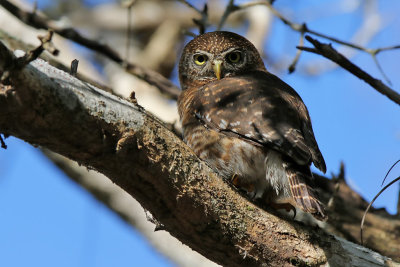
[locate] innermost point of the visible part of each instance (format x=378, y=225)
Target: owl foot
x=249, y=188
x=235, y=180
x=286, y=206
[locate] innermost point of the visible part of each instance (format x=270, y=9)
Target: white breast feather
x=275, y=174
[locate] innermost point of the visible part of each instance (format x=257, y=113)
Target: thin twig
x=381, y=69
x=292, y=66
x=31, y=55
x=303, y=28
x=393, y=47
x=230, y=8
x=74, y=67
x=203, y=22
x=394, y=164
x=3, y=144
x=128, y=28
x=370, y=204
x=200, y=23
x=190, y=5
x=47, y=44
x=329, y=52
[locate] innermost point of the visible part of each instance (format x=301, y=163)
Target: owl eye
x=234, y=57
x=200, y=59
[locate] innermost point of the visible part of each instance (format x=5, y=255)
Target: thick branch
x=129, y=210
x=47, y=107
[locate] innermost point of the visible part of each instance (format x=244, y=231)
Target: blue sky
x=47, y=220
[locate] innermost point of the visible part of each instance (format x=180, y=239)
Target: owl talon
x=286, y=206
x=249, y=188
x=235, y=180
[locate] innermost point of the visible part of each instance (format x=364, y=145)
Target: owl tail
x=303, y=194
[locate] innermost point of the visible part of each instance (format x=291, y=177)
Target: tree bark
x=47, y=107
x=129, y=210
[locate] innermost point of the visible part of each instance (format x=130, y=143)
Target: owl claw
x=286, y=206
x=249, y=188
x=235, y=180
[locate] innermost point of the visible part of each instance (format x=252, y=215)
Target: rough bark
x=129, y=210
x=47, y=107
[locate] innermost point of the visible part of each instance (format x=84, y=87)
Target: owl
x=248, y=125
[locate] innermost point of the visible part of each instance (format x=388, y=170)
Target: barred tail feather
x=303, y=194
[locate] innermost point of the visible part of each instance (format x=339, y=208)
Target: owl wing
x=262, y=109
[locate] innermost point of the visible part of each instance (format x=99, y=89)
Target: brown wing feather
x=262, y=109
x=302, y=192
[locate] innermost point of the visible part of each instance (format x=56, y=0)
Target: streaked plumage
x=249, y=125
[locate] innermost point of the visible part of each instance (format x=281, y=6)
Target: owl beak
x=217, y=68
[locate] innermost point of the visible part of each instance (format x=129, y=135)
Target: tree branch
x=41, y=22
x=129, y=210
x=47, y=107
x=327, y=51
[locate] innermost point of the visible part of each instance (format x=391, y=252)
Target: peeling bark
x=47, y=107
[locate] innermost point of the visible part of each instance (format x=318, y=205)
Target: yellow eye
x=234, y=57
x=200, y=59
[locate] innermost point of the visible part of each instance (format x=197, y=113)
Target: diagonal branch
x=50, y=108
x=327, y=51
x=303, y=29
x=41, y=22
x=129, y=210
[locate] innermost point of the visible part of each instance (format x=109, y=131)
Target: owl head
x=216, y=55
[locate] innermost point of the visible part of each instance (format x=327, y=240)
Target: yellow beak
x=217, y=68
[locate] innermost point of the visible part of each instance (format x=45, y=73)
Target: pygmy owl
x=248, y=125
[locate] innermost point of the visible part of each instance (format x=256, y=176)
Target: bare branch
x=128, y=5
x=370, y=204
x=74, y=67
x=203, y=22
x=2, y=143
x=41, y=22
x=329, y=52
x=390, y=169
x=230, y=8
x=302, y=29
x=190, y=6
x=292, y=66
x=53, y=109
